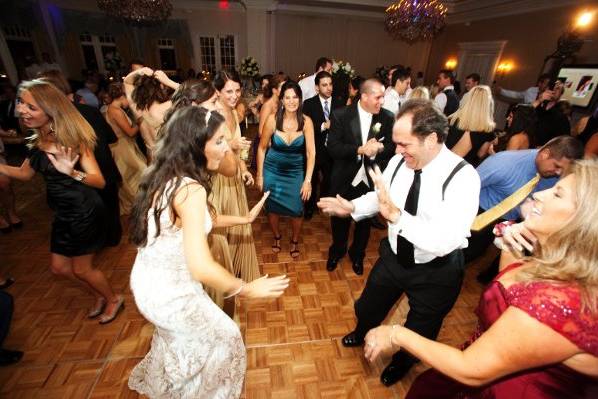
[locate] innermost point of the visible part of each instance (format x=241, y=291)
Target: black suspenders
x=456, y=169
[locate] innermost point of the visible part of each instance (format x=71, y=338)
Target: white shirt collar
x=449, y=87
x=362, y=112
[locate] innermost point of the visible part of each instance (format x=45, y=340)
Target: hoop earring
x=52, y=131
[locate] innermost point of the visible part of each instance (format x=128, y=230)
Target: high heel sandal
x=120, y=306
x=294, y=252
x=276, y=245
x=98, y=310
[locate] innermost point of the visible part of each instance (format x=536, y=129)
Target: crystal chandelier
x=140, y=12
x=413, y=20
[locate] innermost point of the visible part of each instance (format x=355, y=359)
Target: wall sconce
x=504, y=67
x=584, y=19
x=450, y=64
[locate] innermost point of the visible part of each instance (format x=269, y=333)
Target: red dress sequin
x=557, y=306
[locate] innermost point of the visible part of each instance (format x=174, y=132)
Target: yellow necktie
x=489, y=216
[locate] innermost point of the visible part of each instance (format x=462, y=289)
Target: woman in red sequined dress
x=537, y=335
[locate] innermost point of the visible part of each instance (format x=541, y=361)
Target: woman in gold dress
x=129, y=160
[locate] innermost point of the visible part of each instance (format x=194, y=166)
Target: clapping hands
x=372, y=147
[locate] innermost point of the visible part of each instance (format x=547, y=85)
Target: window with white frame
x=97, y=49
x=217, y=52
x=167, y=54
x=22, y=49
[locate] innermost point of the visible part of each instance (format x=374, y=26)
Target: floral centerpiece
x=342, y=68
x=249, y=68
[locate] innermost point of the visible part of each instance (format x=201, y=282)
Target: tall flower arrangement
x=342, y=68
x=249, y=67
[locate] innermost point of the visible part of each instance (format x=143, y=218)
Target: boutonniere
x=376, y=127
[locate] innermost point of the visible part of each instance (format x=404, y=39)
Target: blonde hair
x=420, y=92
x=71, y=129
x=571, y=254
x=476, y=114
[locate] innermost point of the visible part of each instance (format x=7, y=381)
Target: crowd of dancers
x=172, y=158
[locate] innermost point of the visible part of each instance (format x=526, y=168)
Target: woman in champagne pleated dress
x=228, y=193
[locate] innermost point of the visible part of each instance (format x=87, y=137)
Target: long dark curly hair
x=191, y=91
x=147, y=91
x=179, y=154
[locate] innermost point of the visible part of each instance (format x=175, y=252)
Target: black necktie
x=404, y=247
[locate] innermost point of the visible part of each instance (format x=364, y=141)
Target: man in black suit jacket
x=359, y=134
x=318, y=108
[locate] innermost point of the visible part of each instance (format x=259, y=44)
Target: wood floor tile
x=293, y=342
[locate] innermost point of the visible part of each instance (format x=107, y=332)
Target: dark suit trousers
x=432, y=289
x=323, y=165
x=340, y=229
x=6, y=307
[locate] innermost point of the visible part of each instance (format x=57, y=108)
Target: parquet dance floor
x=293, y=343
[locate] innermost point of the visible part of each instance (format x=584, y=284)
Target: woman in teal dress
x=290, y=137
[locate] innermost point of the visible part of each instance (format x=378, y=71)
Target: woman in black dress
x=471, y=127
x=61, y=149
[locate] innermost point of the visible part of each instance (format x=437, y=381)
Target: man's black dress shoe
x=358, y=267
x=8, y=357
x=331, y=263
x=394, y=372
x=350, y=340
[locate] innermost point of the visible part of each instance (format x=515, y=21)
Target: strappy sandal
x=294, y=252
x=98, y=310
x=276, y=245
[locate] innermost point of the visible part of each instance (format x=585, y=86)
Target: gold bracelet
x=237, y=292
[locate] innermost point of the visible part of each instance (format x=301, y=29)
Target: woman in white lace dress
x=197, y=351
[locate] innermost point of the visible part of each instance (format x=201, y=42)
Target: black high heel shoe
x=294, y=252
x=276, y=245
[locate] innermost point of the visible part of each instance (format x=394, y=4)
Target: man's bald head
x=372, y=96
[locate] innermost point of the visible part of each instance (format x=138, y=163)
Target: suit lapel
x=375, y=118
x=356, y=126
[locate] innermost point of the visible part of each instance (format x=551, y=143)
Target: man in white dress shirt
x=308, y=84
x=399, y=90
x=447, y=100
x=527, y=96
x=429, y=196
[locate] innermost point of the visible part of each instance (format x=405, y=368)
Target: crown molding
x=462, y=11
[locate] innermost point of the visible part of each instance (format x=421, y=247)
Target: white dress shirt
x=528, y=96
x=440, y=226
x=365, y=121
x=308, y=86
x=440, y=98
x=393, y=100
